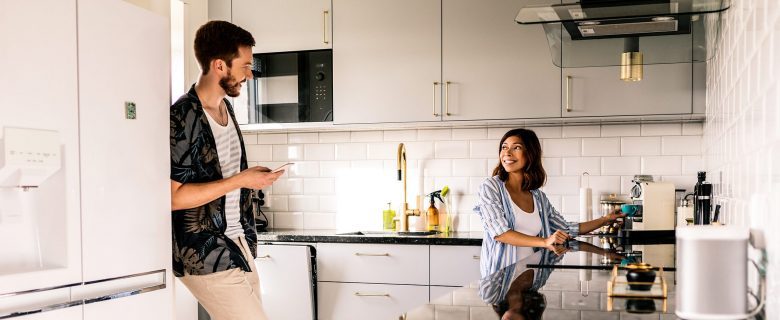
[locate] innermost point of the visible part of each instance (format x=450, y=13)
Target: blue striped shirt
x=494, y=208
x=493, y=289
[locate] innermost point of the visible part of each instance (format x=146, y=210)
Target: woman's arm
x=520, y=239
x=594, y=224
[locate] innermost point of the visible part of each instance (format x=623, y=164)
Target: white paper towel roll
x=586, y=206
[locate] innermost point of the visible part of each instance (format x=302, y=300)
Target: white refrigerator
x=84, y=166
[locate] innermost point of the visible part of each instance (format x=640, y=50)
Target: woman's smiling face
x=512, y=154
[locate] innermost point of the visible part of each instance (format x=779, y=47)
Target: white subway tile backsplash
x=400, y=135
x=315, y=152
x=498, y=133
x=562, y=185
x=553, y=166
x=288, y=220
x=369, y=165
x=329, y=204
x=272, y=138
x=386, y=150
x=304, y=203
x=276, y=203
x=467, y=297
x=334, y=137
x=451, y=149
x=483, y=149
x=663, y=165
x=620, y=165
x=287, y=152
x=600, y=147
x=419, y=150
x=469, y=134
x=258, y=152
x=577, y=166
x=288, y=186
x=571, y=206
x=436, y=167
x=692, y=129
x=304, y=169
x=468, y=168
x=681, y=146
x=581, y=131
x=302, y=138
x=434, y=134
x=546, y=132
x=366, y=136
x=319, y=220
x=351, y=151
x=620, y=130
x=692, y=164
x=334, y=168
x=313, y=186
x=681, y=182
x=561, y=147
x=664, y=129
x=249, y=138
x=457, y=185
x=640, y=146
x=452, y=312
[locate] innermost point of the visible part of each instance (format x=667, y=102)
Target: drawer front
x=345, y=301
x=373, y=263
x=454, y=265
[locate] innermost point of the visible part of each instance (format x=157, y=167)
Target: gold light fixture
x=631, y=61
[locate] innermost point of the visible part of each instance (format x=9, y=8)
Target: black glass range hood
x=596, y=32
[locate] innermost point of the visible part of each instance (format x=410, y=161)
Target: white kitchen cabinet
x=286, y=275
x=494, y=68
x=345, y=301
x=454, y=265
x=373, y=263
x=665, y=89
x=285, y=25
x=386, y=61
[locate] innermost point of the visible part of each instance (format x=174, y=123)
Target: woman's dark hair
x=534, y=304
x=220, y=40
x=534, y=176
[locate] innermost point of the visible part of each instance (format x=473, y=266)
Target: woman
x=515, y=214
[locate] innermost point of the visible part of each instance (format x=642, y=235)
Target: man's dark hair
x=534, y=176
x=220, y=40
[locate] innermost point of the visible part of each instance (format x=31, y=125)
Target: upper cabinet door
x=494, y=68
x=386, y=61
x=285, y=25
x=598, y=91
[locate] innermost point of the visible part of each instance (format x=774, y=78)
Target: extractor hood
x=635, y=32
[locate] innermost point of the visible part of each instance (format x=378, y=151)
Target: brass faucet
x=405, y=211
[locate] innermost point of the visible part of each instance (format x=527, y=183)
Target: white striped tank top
x=229, y=153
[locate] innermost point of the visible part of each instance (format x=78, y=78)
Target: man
x=214, y=237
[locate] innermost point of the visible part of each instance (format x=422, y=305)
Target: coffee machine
x=653, y=220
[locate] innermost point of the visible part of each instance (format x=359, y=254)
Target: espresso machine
x=653, y=218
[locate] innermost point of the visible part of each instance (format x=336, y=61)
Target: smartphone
x=283, y=167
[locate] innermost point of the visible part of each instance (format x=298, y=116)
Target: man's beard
x=230, y=85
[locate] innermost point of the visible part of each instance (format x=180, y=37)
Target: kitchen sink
x=388, y=233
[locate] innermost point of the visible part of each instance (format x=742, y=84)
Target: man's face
x=241, y=68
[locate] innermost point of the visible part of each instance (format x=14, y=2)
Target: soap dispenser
x=388, y=218
x=433, y=213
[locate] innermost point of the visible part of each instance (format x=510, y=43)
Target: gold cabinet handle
x=568, y=93
x=435, y=83
x=268, y=256
x=371, y=294
x=447, y=98
x=325, y=26
x=476, y=257
x=372, y=254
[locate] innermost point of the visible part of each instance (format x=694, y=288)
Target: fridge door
x=286, y=274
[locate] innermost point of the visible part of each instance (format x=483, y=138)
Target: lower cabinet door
x=454, y=265
x=345, y=301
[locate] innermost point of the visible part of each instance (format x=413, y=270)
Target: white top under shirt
x=229, y=153
x=529, y=224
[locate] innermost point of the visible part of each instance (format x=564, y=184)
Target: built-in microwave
x=291, y=87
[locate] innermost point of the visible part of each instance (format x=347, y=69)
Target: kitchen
x=454, y=87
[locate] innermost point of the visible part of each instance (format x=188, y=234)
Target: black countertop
x=452, y=238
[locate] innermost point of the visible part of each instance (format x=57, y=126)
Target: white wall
x=343, y=178
x=742, y=133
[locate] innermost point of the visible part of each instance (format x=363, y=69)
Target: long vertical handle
x=568, y=93
x=447, y=98
x=325, y=27
x=435, y=83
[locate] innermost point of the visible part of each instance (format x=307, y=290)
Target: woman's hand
x=611, y=217
x=559, y=237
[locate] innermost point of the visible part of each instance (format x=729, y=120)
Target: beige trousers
x=231, y=294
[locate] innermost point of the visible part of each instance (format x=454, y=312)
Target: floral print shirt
x=199, y=243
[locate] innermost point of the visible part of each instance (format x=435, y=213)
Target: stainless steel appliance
x=654, y=221
x=291, y=87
